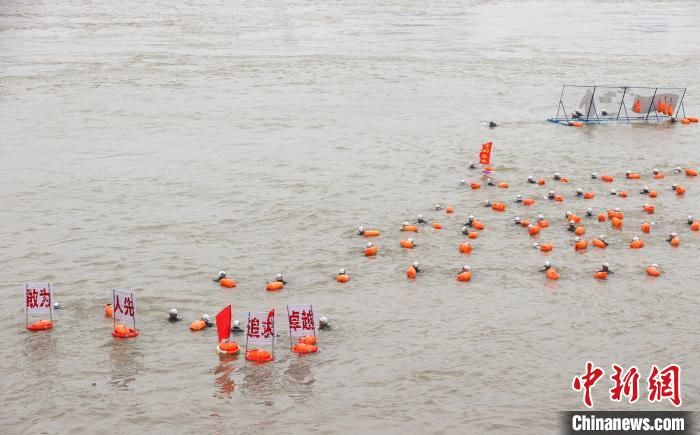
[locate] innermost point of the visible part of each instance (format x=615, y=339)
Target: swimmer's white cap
x=369, y=245
x=654, y=265
x=635, y=238
x=547, y=263
x=578, y=239
x=222, y=274
x=415, y=264
x=409, y=239
x=323, y=319
x=405, y=223
x=466, y=267
x=279, y=275
x=236, y=323
x=540, y=217
x=606, y=264
x=342, y=271
x=360, y=228
x=206, y=317
x=420, y=216
x=172, y=311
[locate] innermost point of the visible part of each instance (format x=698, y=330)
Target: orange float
x=410, y=228
x=533, y=230
x=40, y=325
x=601, y=217
x=564, y=180
x=258, y=355
x=680, y=190
x=528, y=201
x=675, y=241
x=646, y=227
x=525, y=223
x=588, y=195
x=546, y=247
x=437, y=225
x=653, y=270
x=543, y=223
x=541, y=182
x=598, y=243
x=228, y=348
x=227, y=282
x=304, y=348
x=636, y=243
x=692, y=119
x=370, y=251
x=198, y=325
x=623, y=194
x=408, y=244
x=121, y=331
x=475, y=185
x=109, y=311
x=607, y=178
x=411, y=272
x=578, y=124
x=600, y=275
x=649, y=208
x=498, y=206
x=653, y=194
x=616, y=222
x=342, y=278
x=695, y=226
x=580, y=245
x=579, y=231
x=276, y=285
x=558, y=198
x=478, y=225
x=503, y=185
x=464, y=276
x=659, y=176
x=573, y=217
x=633, y=176
x=473, y=235
x=449, y=210
x=465, y=248
x=552, y=274
x=685, y=121
x=371, y=233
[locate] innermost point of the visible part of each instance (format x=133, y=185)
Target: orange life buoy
x=633, y=176
x=122, y=331
x=653, y=194
x=653, y=271
x=692, y=119
x=600, y=275
x=528, y=201
x=685, y=121
x=576, y=124
x=227, y=282
x=636, y=244
x=503, y=185
x=581, y=245
x=649, y=208
x=691, y=172
x=371, y=233
x=449, y=210
x=607, y=178
x=646, y=227
x=588, y=195
x=198, y=325
x=406, y=244
x=599, y=244
x=307, y=339
x=546, y=247
x=478, y=225
x=258, y=355
x=601, y=217
x=475, y=185
x=552, y=274
x=525, y=223
x=465, y=248
x=276, y=285
x=342, y=278
x=411, y=272
x=109, y=311
x=411, y=228
x=680, y=190
x=558, y=198
x=498, y=206
x=616, y=222
x=695, y=226
x=437, y=225
x=675, y=241
x=464, y=276
x=369, y=252
x=534, y=230
x=623, y=194
x=573, y=217
x=40, y=325
x=564, y=180
x=541, y=182
x=543, y=224
x=228, y=348
x=659, y=176
x=473, y=235
x=304, y=348
x=579, y=231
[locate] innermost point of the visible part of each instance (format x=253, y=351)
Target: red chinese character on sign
x=32, y=301
x=665, y=384
x=117, y=305
x=294, y=321
x=269, y=325
x=254, y=327
x=587, y=382
x=307, y=320
x=128, y=306
x=45, y=298
x=627, y=385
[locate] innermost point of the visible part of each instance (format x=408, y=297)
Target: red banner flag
x=223, y=323
x=485, y=154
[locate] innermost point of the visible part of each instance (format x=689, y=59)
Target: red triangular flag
x=223, y=323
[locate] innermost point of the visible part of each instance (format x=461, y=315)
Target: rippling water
x=147, y=145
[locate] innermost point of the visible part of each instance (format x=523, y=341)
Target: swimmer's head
x=437, y=207
x=471, y=218
x=594, y=175
x=360, y=229
x=220, y=275
x=655, y=171
x=654, y=265
x=602, y=237
x=589, y=211
x=540, y=217
x=410, y=240
x=172, y=313
x=369, y=245
x=323, y=320
x=56, y=306
x=577, y=239
x=405, y=224
x=674, y=186
x=236, y=323
x=516, y=219
x=341, y=272
x=673, y=235
x=519, y=198
x=206, y=318
x=415, y=264
x=613, y=192
x=547, y=263
x=466, y=268
x=462, y=182
x=530, y=178
x=635, y=239
x=472, y=165
x=579, y=191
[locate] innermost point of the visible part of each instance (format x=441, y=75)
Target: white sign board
x=38, y=299
x=301, y=320
x=260, y=330
x=124, y=307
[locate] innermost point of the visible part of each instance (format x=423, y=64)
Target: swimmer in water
x=420, y=220
x=342, y=271
x=572, y=226
x=280, y=278
x=672, y=236
x=674, y=186
x=472, y=165
x=56, y=306
x=531, y=180
x=613, y=192
x=690, y=219
x=579, y=192
x=556, y=176
x=589, y=212
x=516, y=220
x=360, y=230
x=644, y=191
x=220, y=276
x=547, y=266
x=605, y=268
x=470, y=221
x=602, y=239
x=519, y=198
x=678, y=170
x=465, y=231
x=236, y=328
x=462, y=182
x=550, y=195
x=489, y=182
x=536, y=245
x=487, y=203
x=594, y=176
x=415, y=266
x=323, y=323
x=207, y=320
x=655, y=171
x=627, y=174
x=492, y=124
x=437, y=207
x=172, y=316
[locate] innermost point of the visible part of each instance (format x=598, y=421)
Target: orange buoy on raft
x=228, y=348
x=636, y=243
x=198, y=325
x=653, y=270
x=109, y=311
x=342, y=278
x=121, y=331
x=546, y=247
x=465, y=248
x=646, y=227
x=449, y=210
x=464, y=276
x=503, y=185
x=40, y=325
x=411, y=272
x=409, y=228
x=408, y=244
x=475, y=185
x=588, y=195
x=601, y=217
x=579, y=231
x=552, y=274
x=528, y=201
x=607, y=178
x=600, y=275
x=580, y=245
x=648, y=208
x=258, y=355
x=371, y=233
x=437, y=225
x=227, y=282
x=498, y=206
x=276, y=285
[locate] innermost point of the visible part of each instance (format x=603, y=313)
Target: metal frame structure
x=592, y=116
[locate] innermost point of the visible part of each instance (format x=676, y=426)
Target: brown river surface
x=148, y=145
